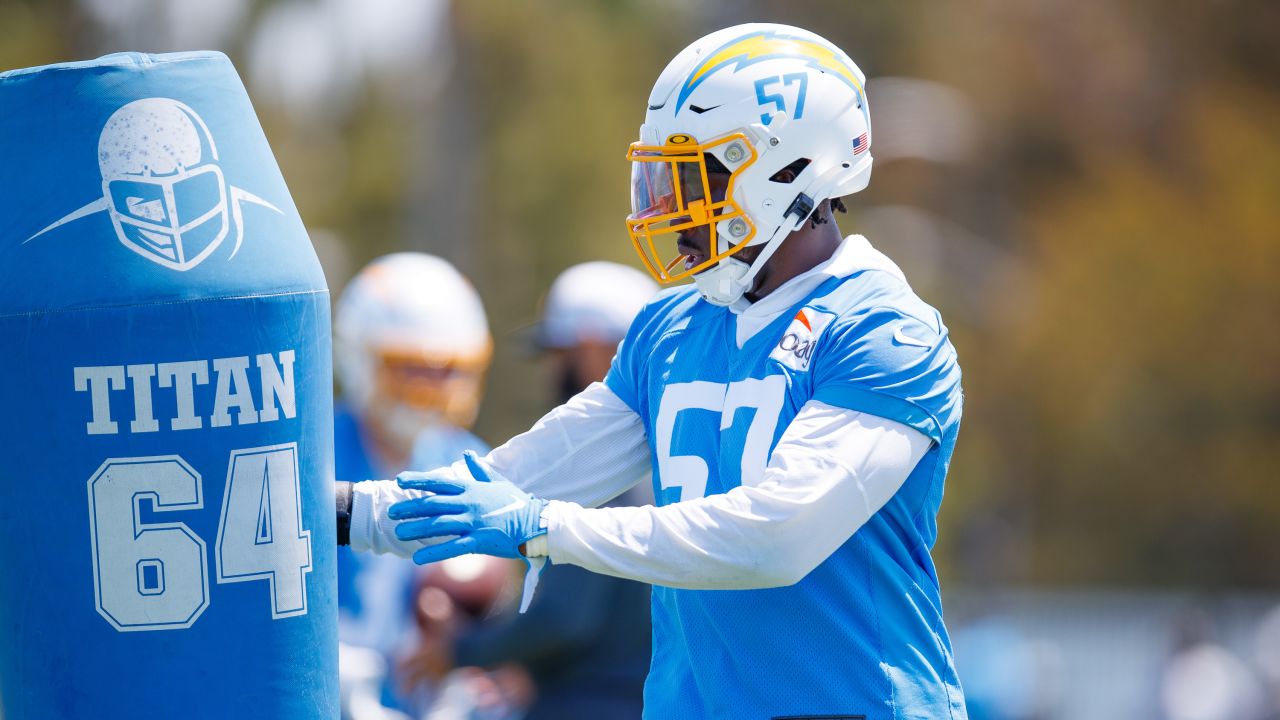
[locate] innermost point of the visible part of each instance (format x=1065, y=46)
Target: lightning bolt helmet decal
x=767, y=45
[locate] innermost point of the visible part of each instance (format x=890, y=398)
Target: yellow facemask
x=671, y=192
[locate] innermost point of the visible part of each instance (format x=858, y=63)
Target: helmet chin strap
x=731, y=278
x=726, y=282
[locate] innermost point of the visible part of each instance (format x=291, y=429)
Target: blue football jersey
x=862, y=634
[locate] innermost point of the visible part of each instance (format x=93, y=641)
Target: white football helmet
x=593, y=301
x=411, y=345
x=759, y=98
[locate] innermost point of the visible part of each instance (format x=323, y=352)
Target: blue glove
x=489, y=515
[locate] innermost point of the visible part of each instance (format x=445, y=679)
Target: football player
x=411, y=346
x=797, y=407
x=586, y=314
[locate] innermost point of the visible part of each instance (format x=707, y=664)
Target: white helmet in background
x=593, y=301
x=757, y=99
x=411, y=345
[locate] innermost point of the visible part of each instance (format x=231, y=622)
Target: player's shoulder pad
x=672, y=297
x=668, y=308
x=888, y=353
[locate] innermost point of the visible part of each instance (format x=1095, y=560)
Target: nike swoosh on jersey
x=510, y=507
x=904, y=339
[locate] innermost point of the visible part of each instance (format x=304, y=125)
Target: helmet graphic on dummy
x=165, y=192
x=751, y=100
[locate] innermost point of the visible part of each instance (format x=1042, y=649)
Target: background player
x=585, y=637
x=798, y=408
x=585, y=315
x=412, y=345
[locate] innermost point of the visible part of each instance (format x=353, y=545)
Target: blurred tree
x=1121, y=423
x=1148, y=367
x=556, y=92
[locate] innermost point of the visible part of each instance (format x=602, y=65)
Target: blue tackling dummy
x=166, y=526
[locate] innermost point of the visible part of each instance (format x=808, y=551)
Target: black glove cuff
x=342, y=494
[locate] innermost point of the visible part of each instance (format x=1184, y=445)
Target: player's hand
x=489, y=515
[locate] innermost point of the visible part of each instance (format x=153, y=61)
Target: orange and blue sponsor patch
x=795, y=347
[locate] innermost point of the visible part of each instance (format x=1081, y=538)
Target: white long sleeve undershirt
x=587, y=451
x=830, y=472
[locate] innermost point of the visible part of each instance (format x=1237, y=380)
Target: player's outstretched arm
x=587, y=451
x=831, y=471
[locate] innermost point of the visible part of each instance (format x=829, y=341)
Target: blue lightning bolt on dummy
x=166, y=512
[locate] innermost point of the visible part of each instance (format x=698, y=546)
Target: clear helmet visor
x=440, y=387
x=663, y=184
